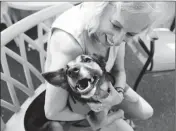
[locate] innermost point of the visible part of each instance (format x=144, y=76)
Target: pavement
x=159, y=91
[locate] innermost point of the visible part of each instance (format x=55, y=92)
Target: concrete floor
x=157, y=89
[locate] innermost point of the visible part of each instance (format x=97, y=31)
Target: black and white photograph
x=88, y=65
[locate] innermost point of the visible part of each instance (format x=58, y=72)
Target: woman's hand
x=114, y=97
x=96, y=107
x=130, y=94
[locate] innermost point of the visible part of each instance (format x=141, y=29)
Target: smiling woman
x=100, y=28
x=129, y=19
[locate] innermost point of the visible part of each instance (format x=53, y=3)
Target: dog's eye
x=87, y=60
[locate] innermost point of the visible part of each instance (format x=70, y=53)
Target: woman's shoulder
x=63, y=41
x=68, y=18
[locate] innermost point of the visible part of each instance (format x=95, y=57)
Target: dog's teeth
x=89, y=85
x=90, y=94
x=92, y=79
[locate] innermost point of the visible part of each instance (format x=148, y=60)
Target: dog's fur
x=85, y=78
x=88, y=67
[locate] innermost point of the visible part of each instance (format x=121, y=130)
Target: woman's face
x=120, y=25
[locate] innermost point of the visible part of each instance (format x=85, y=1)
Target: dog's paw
x=131, y=123
x=118, y=114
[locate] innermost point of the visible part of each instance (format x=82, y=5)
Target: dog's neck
x=108, y=77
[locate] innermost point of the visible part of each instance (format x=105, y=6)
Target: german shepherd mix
x=86, y=79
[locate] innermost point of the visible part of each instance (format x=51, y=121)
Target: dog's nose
x=73, y=72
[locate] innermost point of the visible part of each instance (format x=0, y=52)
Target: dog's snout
x=73, y=72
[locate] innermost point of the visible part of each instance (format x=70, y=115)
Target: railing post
x=2, y=125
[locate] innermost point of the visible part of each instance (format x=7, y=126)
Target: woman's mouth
x=109, y=42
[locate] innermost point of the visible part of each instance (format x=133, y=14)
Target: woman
x=102, y=28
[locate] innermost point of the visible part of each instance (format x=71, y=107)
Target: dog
x=86, y=79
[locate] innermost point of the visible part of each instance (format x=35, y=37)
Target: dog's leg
x=51, y=126
x=118, y=125
x=131, y=123
x=114, y=116
x=101, y=119
x=96, y=119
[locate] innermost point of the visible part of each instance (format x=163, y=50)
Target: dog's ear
x=57, y=78
x=99, y=60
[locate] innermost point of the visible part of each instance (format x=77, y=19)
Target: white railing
x=17, y=30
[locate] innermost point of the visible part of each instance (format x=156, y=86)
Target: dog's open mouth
x=85, y=85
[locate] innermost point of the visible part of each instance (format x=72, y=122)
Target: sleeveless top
x=73, y=22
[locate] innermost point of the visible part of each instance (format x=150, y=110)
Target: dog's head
x=82, y=75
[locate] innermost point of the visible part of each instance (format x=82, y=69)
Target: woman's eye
x=115, y=26
x=130, y=35
x=87, y=60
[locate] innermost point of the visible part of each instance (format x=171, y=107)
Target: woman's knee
x=146, y=111
x=138, y=108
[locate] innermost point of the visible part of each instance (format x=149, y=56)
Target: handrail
x=25, y=24
x=17, y=30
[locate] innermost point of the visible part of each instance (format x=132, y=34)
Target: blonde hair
x=97, y=8
x=154, y=10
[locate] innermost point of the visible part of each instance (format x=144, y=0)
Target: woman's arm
x=120, y=76
x=62, y=49
x=118, y=70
